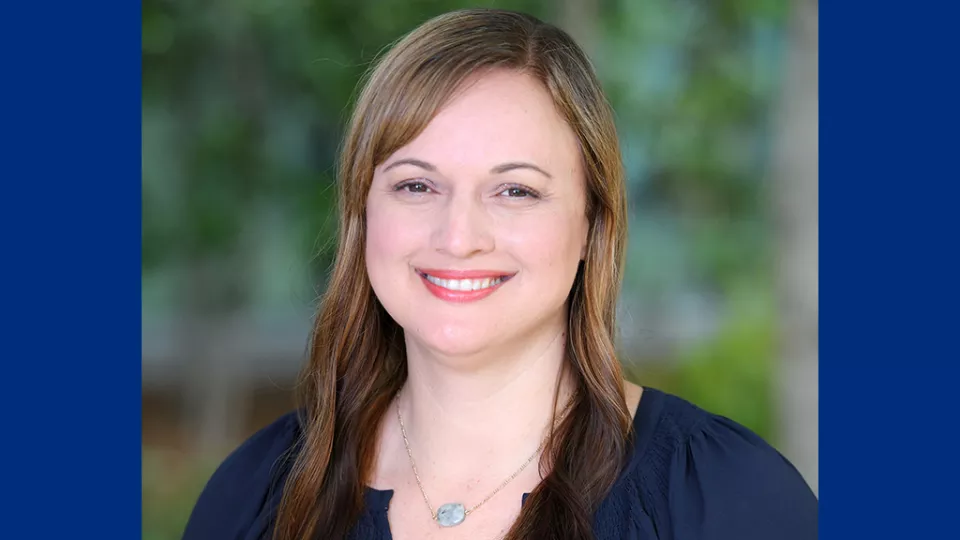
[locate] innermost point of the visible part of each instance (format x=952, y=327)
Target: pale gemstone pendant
x=451, y=514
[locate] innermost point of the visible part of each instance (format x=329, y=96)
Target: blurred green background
x=243, y=107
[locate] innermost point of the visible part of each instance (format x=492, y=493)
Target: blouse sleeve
x=726, y=483
x=231, y=502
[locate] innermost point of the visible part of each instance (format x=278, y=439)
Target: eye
x=413, y=186
x=518, y=192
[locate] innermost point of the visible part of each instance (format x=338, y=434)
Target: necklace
x=452, y=514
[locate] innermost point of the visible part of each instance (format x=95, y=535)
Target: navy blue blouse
x=693, y=475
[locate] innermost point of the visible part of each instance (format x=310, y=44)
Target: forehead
x=498, y=117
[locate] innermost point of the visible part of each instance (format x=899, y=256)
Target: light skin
x=494, y=185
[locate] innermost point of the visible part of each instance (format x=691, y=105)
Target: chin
x=454, y=341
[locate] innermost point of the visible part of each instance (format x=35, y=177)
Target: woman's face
x=475, y=229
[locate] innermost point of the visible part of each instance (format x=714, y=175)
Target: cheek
x=385, y=258
x=379, y=238
x=392, y=237
x=549, y=244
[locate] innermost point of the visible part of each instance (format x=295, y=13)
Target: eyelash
x=410, y=183
x=529, y=193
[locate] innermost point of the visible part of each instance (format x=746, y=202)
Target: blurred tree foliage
x=244, y=102
x=248, y=100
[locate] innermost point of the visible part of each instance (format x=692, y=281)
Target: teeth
x=464, y=284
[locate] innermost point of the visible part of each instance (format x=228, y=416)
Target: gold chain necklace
x=452, y=514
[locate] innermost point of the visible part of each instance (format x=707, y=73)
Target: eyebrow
x=410, y=161
x=499, y=169
x=514, y=165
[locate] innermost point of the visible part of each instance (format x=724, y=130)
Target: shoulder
x=237, y=493
x=704, y=476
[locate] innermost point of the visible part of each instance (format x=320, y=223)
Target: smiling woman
x=467, y=331
x=471, y=198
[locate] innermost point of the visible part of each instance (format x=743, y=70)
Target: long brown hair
x=357, y=357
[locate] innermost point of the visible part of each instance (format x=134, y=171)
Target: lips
x=463, y=285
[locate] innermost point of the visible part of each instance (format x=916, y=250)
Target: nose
x=463, y=229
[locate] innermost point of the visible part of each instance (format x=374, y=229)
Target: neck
x=457, y=418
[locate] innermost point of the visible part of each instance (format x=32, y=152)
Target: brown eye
x=414, y=187
x=418, y=187
x=516, y=192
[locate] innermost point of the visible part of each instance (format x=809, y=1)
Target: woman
x=467, y=331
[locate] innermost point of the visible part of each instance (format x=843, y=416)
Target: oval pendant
x=451, y=514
